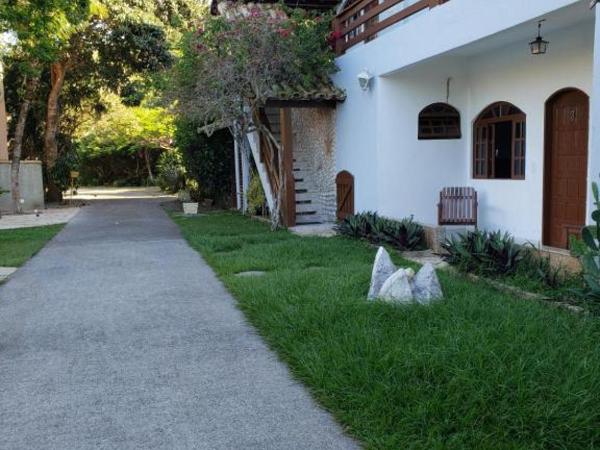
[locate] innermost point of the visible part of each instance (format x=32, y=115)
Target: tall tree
x=41, y=28
x=111, y=48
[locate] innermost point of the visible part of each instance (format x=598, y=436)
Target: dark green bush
x=207, y=159
x=405, y=234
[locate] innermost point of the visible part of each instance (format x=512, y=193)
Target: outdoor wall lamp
x=364, y=79
x=539, y=46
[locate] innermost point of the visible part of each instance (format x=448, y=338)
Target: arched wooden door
x=345, y=194
x=565, y=168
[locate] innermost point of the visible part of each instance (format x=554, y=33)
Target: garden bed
x=481, y=369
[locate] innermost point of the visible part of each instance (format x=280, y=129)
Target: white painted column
x=594, y=146
x=245, y=154
x=236, y=158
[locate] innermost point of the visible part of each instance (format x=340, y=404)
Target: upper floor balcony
x=362, y=20
x=388, y=35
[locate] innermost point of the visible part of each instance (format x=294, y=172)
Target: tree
x=125, y=131
x=233, y=63
x=103, y=55
x=41, y=28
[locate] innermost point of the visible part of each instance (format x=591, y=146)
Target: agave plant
x=405, y=234
x=589, y=251
x=491, y=253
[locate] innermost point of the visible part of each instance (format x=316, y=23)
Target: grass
x=480, y=370
x=19, y=244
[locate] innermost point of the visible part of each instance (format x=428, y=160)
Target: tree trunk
x=148, y=166
x=17, y=144
x=3, y=120
x=57, y=78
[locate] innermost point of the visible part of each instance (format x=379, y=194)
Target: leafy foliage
x=256, y=196
x=171, y=171
x=207, y=159
x=405, y=234
x=115, y=147
x=67, y=161
x=231, y=63
x=588, y=251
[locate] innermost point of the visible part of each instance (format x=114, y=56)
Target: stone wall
x=314, y=152
x=32, y=187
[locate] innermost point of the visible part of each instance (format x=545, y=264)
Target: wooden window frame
x=483, y=148
x=444, y=113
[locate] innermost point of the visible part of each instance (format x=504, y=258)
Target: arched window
x=499, y=142
x=439, y=121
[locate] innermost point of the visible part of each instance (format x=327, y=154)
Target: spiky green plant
x=588, y=251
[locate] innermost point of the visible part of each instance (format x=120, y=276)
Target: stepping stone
x=6, y=272
x=251, y=273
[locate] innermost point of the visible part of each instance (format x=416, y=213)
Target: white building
x=526, y=140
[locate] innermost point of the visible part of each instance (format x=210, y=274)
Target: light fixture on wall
x=539, y=46
x=364, y=80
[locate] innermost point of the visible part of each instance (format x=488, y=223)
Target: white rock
x=383, y=268
x=426, y=285
x=396, y=288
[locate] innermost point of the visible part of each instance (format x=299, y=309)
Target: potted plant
x=189, y=206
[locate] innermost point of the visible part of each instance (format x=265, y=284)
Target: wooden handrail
x=345, y=23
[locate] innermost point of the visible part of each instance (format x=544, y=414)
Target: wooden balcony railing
x=361, y=20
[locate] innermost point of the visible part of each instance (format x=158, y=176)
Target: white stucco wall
x=410, y=172
x=398, y=175
x=528, y=82
x=31, y=186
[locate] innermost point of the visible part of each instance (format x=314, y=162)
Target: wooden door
x=565, y=172
x=345, y=194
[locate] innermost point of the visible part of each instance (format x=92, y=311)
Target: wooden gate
x=345, y=194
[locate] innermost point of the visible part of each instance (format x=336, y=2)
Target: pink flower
x=255, y=12
x=283, y=32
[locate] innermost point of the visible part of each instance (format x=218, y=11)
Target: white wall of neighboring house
x=482, y=47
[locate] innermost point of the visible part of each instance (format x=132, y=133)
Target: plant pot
x=190, y=208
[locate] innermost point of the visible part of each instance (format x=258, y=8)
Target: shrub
x=67, y=161
x=489, y=253
x=171, y=172
x=588, y=251
x=405, y=234
x=256, y=196
x=207, y=159
x=495, y=254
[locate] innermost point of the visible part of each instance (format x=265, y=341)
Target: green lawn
x=480, y=370
x=20, y=244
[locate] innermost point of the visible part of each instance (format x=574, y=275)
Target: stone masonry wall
x=314, y=152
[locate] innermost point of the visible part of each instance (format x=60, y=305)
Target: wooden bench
x=458, y=206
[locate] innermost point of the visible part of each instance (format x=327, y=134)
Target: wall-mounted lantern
x=539, y=46
x=364, y=79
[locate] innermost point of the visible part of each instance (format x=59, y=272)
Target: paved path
x=118, y=336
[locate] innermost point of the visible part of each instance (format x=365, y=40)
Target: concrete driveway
x=117, y=335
